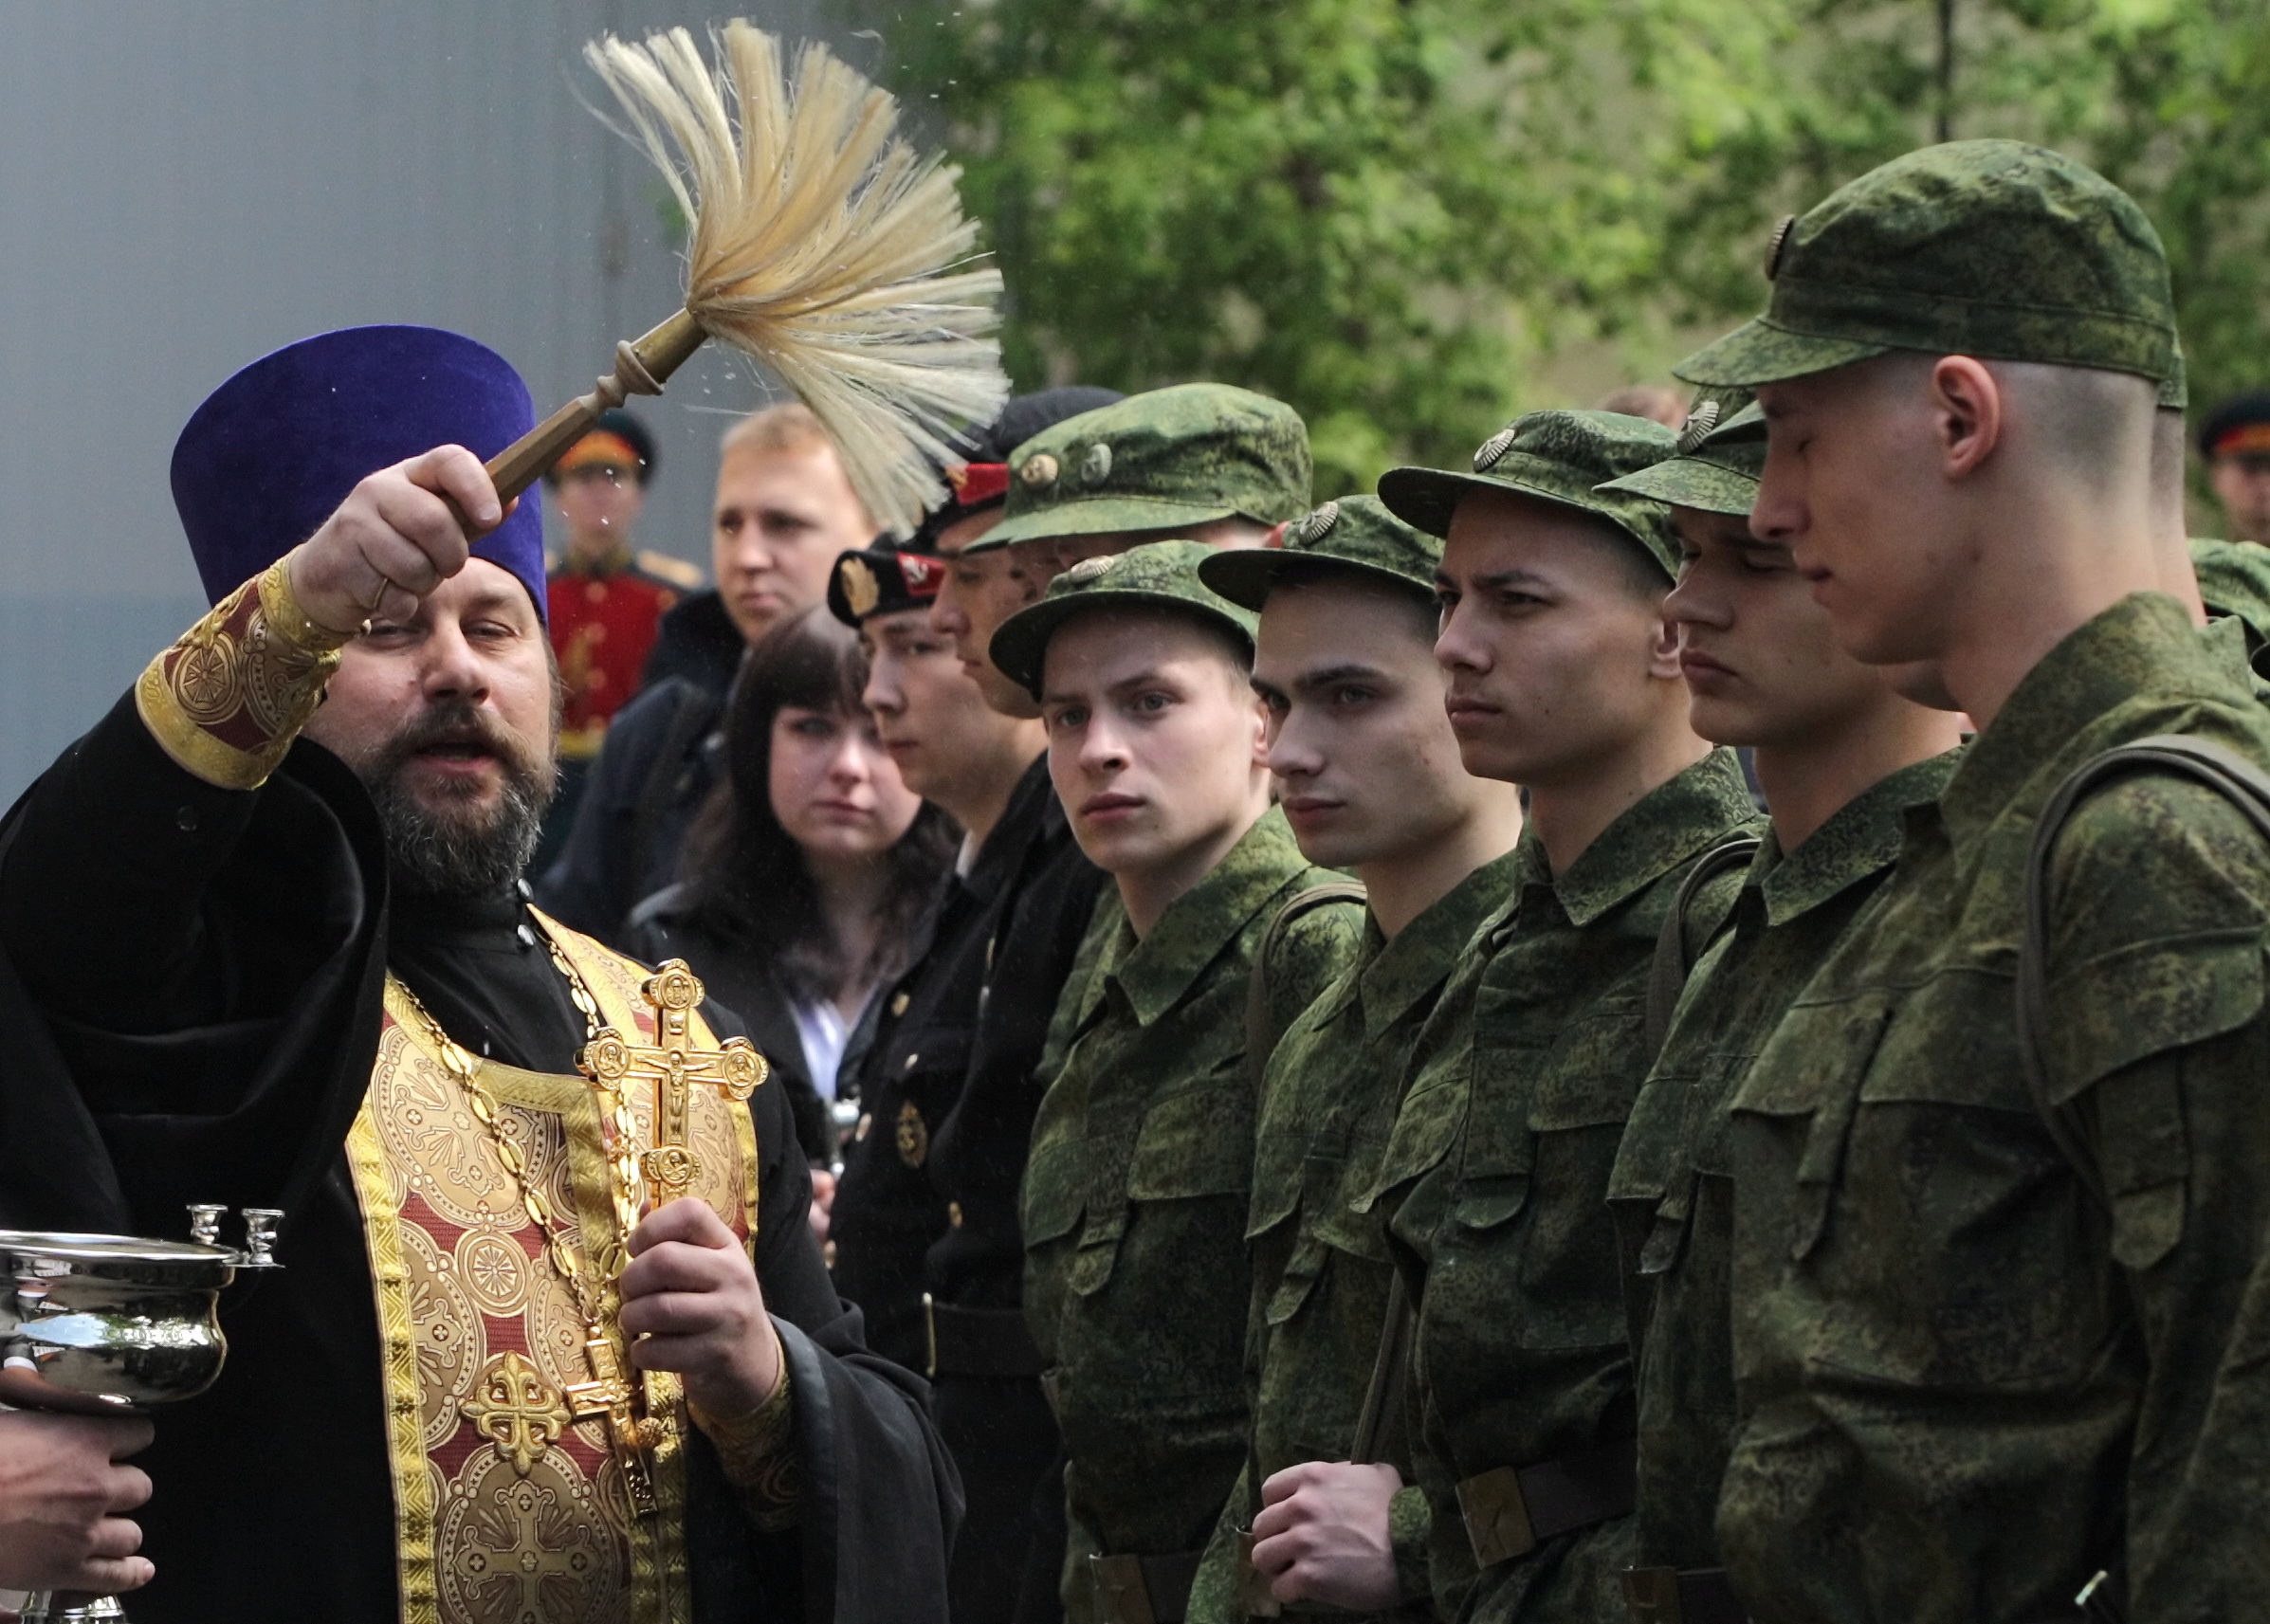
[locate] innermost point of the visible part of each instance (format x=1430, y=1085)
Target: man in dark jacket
x=950, y=1082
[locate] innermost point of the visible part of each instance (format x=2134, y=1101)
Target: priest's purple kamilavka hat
x=274, y=449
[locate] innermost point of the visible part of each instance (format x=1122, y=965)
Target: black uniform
x=190, y=1011
x=928, y=1199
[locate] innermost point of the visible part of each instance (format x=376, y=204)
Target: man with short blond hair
x=785, y=511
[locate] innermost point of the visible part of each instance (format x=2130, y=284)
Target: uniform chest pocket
x=1193, y=1143
x=1811, y=1072
x=1053, y=1196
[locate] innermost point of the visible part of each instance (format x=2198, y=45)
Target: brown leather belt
x=980, y=1342
x=1143, y=1589
x=1510, y=1510
x=1681, y=1596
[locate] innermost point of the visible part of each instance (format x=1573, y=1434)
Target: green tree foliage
x=1392, y=212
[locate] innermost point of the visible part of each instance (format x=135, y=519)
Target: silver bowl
x=108, y=1323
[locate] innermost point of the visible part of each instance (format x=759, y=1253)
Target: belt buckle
x=1121, y=1595
x=1497, y=1518
x=1253, y=1594
x=1651, y=1596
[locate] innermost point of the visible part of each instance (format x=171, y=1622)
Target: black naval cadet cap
x=882, y=579
x=2241, y=423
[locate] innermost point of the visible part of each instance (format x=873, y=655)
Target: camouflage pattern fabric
x=1321, y=1270
x=1672, y=1189
x=1964, y=1387
x=1136, y=1277
x=1157, y=461
x=1496, y=1181
x=1990, y=248
x=1559, y=457
x=1718, y=470
x=1153, y=576
x=1355, y=533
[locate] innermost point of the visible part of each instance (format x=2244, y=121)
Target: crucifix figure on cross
x=674, y=1065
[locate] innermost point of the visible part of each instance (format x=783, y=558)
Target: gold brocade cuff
x=759, y=1461
x=227, y=701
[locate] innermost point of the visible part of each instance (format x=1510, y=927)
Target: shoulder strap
x=1667, y=976
x=2239, y=781
x=1261, y=1031
x=1390, y=1372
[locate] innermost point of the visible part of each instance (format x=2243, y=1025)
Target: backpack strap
x=1261, y=1031
x=2239, y=781
x=1673, y=963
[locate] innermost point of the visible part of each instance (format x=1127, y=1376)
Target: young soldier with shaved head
x=2000, y=1306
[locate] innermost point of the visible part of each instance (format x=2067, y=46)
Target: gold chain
x=622, y=1150
x=607, y=1391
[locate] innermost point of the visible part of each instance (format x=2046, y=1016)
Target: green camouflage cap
x=1718, y=467
x=1560, y=457
x=2234, y=578
x=1355, y=533
x=1163, y=460
x=1157, y=575
x=1990, y=248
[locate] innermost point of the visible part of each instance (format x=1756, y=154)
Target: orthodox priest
x=264, y=944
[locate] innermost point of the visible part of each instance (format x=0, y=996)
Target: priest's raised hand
x=396, y=537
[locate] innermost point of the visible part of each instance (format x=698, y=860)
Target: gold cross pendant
x=608, y=1394
x=674, y=1065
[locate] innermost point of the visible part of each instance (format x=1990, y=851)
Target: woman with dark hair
x=805, y=871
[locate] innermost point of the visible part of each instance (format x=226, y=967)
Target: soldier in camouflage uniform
x=1369, y=774
x=1199, y=462
x=1494, y=1180
x=1969, y=1382
x=1841, y=757
x=1135, y=1196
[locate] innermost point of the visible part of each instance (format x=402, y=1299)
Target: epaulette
x=671, y=572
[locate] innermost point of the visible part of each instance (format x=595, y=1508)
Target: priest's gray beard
x=451, y=845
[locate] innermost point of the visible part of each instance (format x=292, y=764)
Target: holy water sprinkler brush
x=821, y=245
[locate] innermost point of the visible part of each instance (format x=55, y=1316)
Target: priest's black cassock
x=191, y=983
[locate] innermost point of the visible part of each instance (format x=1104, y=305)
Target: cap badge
x=1039, y=471
x=1698, y=426
x=1095, y=467
x=1494, y=450
x=1318, y=525
x=861, y=590
x=922, y=574
x=1775, y=244
x=1090, y=570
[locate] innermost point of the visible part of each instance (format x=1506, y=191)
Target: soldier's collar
x=1198, y=924
x=1861, y=836
x=2145, y=644
x=1424, y=952
x=1663, y=829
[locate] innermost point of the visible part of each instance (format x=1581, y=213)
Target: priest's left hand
x=690, y=1297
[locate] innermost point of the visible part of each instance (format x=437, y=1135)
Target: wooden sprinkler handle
x=640, y=367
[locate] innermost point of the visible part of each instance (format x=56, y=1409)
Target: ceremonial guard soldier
x=1841, y=758
x=1135, y=1198
x=605, y=597
x=1564, y=680
x=265, y=938
x=1366, y=768
x=2002, y=1258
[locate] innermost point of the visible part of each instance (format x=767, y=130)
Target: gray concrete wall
x=185, y=186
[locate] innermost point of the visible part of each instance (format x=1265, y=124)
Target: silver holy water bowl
x=112, y=1324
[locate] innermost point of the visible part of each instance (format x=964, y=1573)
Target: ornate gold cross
x=674, y=1065
x=608, y=1394
x=516, y=1410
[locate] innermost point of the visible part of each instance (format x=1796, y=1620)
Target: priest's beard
x=449, y=844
